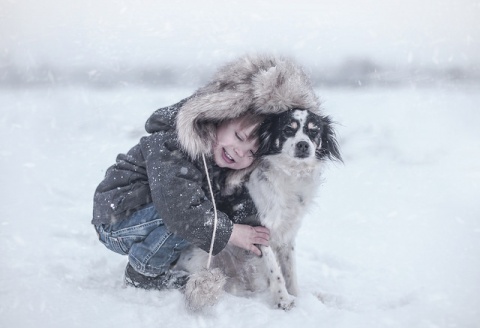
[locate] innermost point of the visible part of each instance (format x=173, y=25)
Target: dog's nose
x=302, y=149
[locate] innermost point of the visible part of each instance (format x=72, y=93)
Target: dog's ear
x=266, y=136
x=329, y=147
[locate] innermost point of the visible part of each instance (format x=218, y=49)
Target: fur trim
x=204, y=288
x=263, y=84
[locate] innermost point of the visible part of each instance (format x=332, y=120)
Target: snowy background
x=394, y=237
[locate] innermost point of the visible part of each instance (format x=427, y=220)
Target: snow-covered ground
x=393, y=241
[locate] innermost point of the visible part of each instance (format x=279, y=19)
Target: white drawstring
x=215, y=215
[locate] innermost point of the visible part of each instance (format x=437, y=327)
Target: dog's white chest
x=280, y=199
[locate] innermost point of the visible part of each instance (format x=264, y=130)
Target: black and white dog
x=296, y=144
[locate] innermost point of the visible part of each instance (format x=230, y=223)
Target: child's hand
x=247, y=237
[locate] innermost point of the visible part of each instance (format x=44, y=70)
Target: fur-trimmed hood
x=264, y=84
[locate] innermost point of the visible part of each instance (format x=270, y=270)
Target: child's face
x=233, y=149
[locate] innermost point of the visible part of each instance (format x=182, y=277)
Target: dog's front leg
x=278, y=289
x=286, y=257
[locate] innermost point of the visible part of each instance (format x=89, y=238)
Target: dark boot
x=168, y=280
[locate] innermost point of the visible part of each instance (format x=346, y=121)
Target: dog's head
x=299, y=134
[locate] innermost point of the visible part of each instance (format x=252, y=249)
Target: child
x=155, y=201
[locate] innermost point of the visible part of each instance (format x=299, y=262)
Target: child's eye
x=238, y=136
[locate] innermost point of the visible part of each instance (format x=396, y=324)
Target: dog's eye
x=312, y=129
x=289, y=130
x=312, y=133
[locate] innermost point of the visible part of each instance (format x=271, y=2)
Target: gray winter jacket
x=166, y=168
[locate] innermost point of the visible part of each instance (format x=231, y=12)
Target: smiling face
x=234, y=147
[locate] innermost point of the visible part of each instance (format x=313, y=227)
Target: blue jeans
x=150, y=247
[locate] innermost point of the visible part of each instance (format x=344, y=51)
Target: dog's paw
x=286, y=302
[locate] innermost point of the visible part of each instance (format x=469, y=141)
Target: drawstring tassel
x=215, y=220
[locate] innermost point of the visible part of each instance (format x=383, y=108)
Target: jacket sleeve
x=124, y=188
x=176, y=189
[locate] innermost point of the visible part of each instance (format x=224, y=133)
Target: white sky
x=128, y=32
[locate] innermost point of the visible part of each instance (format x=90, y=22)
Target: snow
x=393, y=239
x=106, y=39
